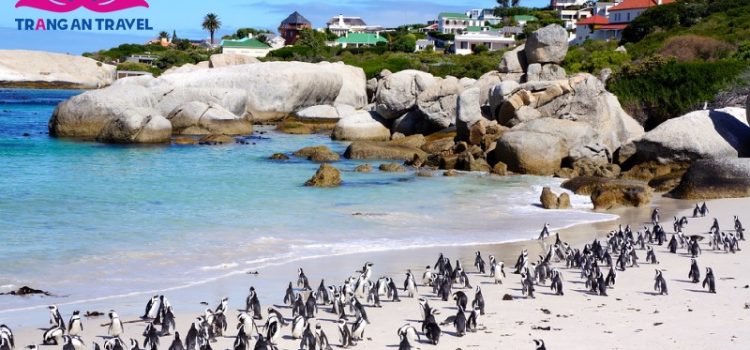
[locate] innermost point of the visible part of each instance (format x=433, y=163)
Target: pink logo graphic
x=72, y=5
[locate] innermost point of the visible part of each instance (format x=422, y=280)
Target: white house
x=562, y=4
x=618, y=17
x=422, y=44
x=340, y=25
x=492, y=40
x=571, y=17
x=456, y=23
x=248, y=47
x=485, y=16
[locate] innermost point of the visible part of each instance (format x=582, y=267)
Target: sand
x=631, y=317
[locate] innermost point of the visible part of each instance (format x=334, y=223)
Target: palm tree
x=211, y=23
x=163, y=35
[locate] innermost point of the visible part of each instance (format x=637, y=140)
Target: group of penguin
x=616, y=253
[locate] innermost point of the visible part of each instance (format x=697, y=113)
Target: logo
x=101, y=6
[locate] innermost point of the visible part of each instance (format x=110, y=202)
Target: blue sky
x=185, y=16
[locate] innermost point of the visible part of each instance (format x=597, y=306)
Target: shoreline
x=506, y=251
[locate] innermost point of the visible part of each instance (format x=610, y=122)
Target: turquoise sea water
x=85, y=220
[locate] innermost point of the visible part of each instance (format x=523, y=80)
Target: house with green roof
x=248, y=47
x=456, y=22
x=360, y=39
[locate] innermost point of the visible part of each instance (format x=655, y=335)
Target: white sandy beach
x=631, y=317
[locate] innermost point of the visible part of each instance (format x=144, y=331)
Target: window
x=628, y=16
x=464, y=45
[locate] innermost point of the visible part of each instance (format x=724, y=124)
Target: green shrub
x=658, y=89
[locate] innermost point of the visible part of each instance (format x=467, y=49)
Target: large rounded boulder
x=529, y=152
x=229, y=59
x=547, y=45
x=438, y=102
x=705, y=134
x=198, y=118
x=363, y=125
x=397, y=93
x=715, y=178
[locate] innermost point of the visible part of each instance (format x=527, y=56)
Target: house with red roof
x=618, y=17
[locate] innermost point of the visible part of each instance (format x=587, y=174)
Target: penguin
x=611, y=277
x=191, y=340
x=345, y=334
x=252, y=304
x=410, y=287
x=539, y=344
x=498, y=272
x=302, y=279
x=660, y=285
x=167, y=320
x=311, y=306
x=403, y=343
x=409, y=334
x=298, y=327
x=428, y=277
x=358, y=329
x=75, y=326
x=151, y=308
x=134, y=345
x=527, y=285
x=461, y=299
x=601, y=284
x=56, y=318
x=695, y=273
x=710, y=281
x=651, y=256
x=264, y=344
x=53, y=335
x=279, y=317
x=73, y=343
x=240, y=343
x=545, y=232
x=298, y=308
x=460, y=322
x=673, y=245
x=479, y=262
x=556, y=285
x=359, y=309
x=715, y=227
x=392, y=290
x=308, y=341
x=247, y=324
x=177, y=342
x=151, y=337
x=273, y=331
x=324, y=294
x=696, y=210
x=432, y=332
x=522, y=261
x=5, y=343
x=321, y=339
x=7, y=334
x=478, y=300
x=115, y=325
x=704, y=209
x=655, y=217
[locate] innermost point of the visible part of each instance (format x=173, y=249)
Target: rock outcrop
x=547, y=45
x=397, y=93
x=362, y=125
x=228, y=59
x=326, y=176
x=438, y=102
x=37, y=69
x=715, y=178
x=609, y=194
x=383, y=151
x=705, y=134
x=550, y=200
x=198, y=118
x=529, y=152
x=320, y=154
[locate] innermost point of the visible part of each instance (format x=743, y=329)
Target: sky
x=185, y=16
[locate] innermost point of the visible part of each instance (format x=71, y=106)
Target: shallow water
x=85, y=220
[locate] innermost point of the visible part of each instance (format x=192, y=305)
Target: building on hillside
x=247, y=47
x=424, y=44
x=291, y=26
x=341, y=25
x=563, y=4
x=571, y=17
x=456, y=23
x=618, y=18
x=145, y=59
x=359, y=40
x=523, y=19
x=432, y=27
x=464, y=44
x=485, y=16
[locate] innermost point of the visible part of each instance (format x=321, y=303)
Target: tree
x=504, y=3
x=479, y=49
x=164, y=35
x=514, y=3
x=174, y=35
x=211, y=23
x=312, y=39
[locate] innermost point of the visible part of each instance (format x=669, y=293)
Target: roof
x=525, y=18
x=295, y=18
x=453, y=15
x=350, y=21
x=361, y=38
x=511, y=30
x=638, y=4
x=246, y=43
x=619, y=26
x=593, y=20
x=473, y=29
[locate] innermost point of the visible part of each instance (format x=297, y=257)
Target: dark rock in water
x=184, y=140
x=383, y=150
x=363, y=168
x=26, y=134
x=713, y=179
x=392, y=168
x=25, y=290
x=318, y=154
x=279, y=156
x=216, y=140
x=326, y=176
